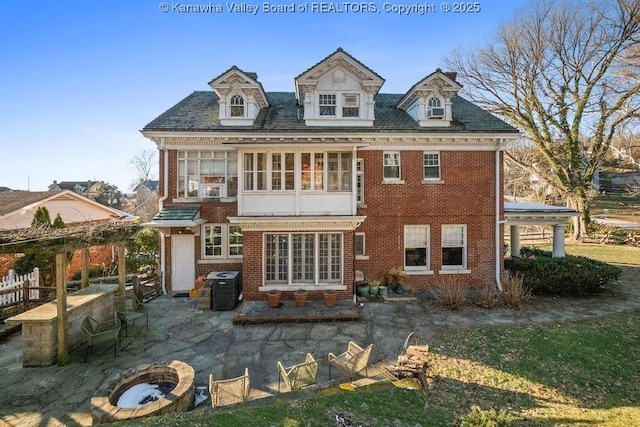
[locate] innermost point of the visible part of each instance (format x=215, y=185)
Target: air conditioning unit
x=212, y=191
x=436, y=113
x=350, y=100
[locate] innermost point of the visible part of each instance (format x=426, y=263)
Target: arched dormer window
x=237, y=106
x=435, y=110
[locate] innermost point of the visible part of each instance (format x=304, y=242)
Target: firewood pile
x=413, y=362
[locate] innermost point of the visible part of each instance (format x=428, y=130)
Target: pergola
x=517, y=214
x=61, y=241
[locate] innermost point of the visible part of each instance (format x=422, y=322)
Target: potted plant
x=301, y=297
x=362, y=289
x=373, y=287
x=273, y=298
x=330, y=297
x=394, y=278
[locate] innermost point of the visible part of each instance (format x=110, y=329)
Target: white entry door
x=183, y=269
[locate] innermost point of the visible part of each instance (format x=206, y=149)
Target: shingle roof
x=200, y=111
x=177, y=213
x=13, y=200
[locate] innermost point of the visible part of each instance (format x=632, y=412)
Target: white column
x=558, y=241
x=515, y=241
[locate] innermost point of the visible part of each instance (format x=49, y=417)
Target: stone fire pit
x=176, y=377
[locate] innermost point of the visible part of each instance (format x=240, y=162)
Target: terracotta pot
x=273, y=298
x=330, y=298
x=301, y=298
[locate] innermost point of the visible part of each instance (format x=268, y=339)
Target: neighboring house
x=301, y=189
x=5, y=189
x=89, y=189
x=18, y=207
x=144, y=189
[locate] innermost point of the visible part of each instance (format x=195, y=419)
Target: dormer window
x=351, y=105
x=237, y=106
x=327, y=104
x=435, y=110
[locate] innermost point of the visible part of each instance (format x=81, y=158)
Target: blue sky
x=79, y=78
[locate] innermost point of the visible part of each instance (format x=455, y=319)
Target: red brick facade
x=464, y=195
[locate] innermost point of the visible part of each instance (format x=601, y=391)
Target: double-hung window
x=255, y=171
x=237, y=106
x=207, y=174
x=360, y=181
x=327, y=104
x=302, y=258
x=350, y=105
x=454, y=246
x=416, y=247
x=339, y=171
x=391, y=165
x=221, y=241
x=312, y=171
x=282, y=171
x=431, y=166
x=434, y=108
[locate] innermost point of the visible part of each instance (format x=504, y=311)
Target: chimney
x=452, y=75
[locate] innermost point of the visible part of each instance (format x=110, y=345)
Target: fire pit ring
x=104, y=403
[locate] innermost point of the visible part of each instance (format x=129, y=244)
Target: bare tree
x=566, y=73
x=144, y=165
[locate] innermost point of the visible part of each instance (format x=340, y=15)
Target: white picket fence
x=13, y=281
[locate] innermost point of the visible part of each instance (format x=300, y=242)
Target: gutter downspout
x=165, y=186
x=497, y=225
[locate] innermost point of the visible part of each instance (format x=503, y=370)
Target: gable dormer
x=241, y=97
x=429, y=100
x=338, y=91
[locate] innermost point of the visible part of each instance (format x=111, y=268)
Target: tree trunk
x=579, y=223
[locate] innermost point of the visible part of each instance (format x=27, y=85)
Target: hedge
x=567, y=276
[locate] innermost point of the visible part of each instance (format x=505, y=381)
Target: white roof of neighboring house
x=17, y=208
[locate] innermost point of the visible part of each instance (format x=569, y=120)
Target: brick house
x=301, y=189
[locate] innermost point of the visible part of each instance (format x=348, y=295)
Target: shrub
x=489, y=418
x=567, y=276
x=514, y=291
x=488, y=295
x=451, y=291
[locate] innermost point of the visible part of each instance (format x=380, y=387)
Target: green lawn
x=607, y=253
x=625, y=206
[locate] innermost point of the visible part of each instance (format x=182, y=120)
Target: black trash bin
x=225, y=289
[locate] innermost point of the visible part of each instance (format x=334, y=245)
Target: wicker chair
x=352, y=361
x=300, y=375
x=98, y=332
x=130, y=309
x=227, y=392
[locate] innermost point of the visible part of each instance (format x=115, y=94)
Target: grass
x=624, y=206
x=608, y=253
x=584, y=373
x=578, y=373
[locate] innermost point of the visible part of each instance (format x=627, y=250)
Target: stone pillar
x=558, y=241
x=515, y=241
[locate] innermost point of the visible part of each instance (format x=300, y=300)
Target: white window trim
x=364, y=255
x=439, y=177
x=392, y=179
x=334, y=105
x=231, y=105
x=455, y=269
x=184, y=159
x=417, y=269
x=359, y=178
x=441, y=104
x=225, y=256
x=291, y=285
